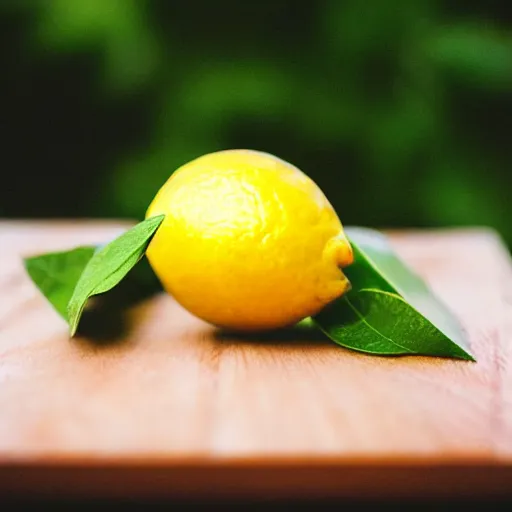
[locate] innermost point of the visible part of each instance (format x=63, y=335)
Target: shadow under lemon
x=304, y=333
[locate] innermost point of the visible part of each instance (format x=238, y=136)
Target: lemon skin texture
x=249, y=242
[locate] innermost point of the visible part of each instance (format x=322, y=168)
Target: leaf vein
x=363, y=319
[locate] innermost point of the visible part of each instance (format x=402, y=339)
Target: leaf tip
x=470, y=357
x=73, y=318
x=464, y=354
x=28, y=262
x=73, y=321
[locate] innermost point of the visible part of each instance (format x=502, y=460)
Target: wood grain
x=180, y=407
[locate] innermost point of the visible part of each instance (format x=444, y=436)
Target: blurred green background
x=400, y=110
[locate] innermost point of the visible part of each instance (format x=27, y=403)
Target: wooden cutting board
x=177, y=408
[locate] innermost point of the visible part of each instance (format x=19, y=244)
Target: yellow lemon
x=248, y=241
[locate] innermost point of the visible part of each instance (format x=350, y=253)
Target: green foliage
x=405, y=102
x=473, y=53
x=118, y=28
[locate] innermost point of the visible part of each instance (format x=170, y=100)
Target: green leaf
x=56, y=274
x=389, y=310
x=110, y=265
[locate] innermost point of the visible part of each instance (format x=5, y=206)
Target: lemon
x=248, y=241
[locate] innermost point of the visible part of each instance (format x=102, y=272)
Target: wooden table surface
x=177, y=408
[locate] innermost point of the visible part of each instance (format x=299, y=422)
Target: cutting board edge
x=257, y=481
